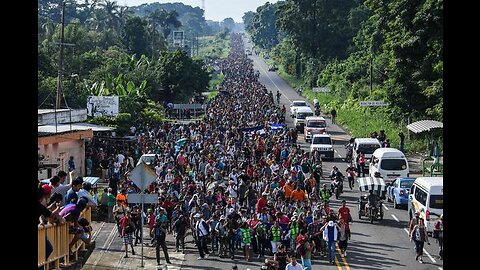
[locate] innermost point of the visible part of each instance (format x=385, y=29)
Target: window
x=303, y=115
x=316, y=124
x=322, y=140
x=421, y=196
x=406, y=183
x=367, y=148
x=299, y=104
x=393, y=164
x=436, y=201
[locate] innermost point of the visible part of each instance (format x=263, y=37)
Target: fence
x=60, y=239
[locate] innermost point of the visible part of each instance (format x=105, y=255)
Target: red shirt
x=343, y=213
x=252, y=223
x=260, y=204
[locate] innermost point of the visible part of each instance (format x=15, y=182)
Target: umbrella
x=372, y=183
x=181, y=142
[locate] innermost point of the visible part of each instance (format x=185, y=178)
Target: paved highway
x=382, y=245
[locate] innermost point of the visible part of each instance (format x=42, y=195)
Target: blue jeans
x=307, y=264
x=331, y=251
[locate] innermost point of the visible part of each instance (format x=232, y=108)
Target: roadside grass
x=357, y=121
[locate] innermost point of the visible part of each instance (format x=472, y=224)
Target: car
x=301, y=113
x=296, y=104
x=324, y=144
x=272, y=68
x=398, y=191
x=314, y=125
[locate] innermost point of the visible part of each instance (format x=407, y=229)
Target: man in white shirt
x=85, y=192
x=201, y=228
x=293, y=265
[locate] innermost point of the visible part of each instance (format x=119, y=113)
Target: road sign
x=142, y=171
x=137, y=198
x=372, y=103
x=321, y=89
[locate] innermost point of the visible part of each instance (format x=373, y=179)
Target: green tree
x=134, y=35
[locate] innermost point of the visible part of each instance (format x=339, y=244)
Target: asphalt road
x=381, y=245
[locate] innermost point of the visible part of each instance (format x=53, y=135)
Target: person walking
x=342, y=238
x=201, y=228
x=402, y=141
x=344, y=214
x=361, y=164
x=160, y=235
x=128, y=227
x=330, y=235
x=180, y=227
x=246, y=236
x=438, y=233
x=275, y=236
x=334, y=115
x=419, y=236
x=293, y=265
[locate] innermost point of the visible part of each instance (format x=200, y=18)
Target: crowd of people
x=235, y=182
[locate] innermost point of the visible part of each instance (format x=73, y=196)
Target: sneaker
x=158, y=263
x=133, y=252
x=126, y=256
x=420, y=261
x=206, y=256
x=199, y=258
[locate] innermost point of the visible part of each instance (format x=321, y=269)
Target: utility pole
x=60, y=61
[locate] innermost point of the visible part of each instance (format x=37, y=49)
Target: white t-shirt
x=296, y=267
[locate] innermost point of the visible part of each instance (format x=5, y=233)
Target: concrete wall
x=64, y=150
x=62, y=117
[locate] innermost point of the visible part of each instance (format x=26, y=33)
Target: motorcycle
x=337, y=186
x=317, y=112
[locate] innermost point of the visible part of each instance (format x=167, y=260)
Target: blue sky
x=216, y=10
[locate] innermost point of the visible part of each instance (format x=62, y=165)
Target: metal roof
x=424, y=125
x=74, y=126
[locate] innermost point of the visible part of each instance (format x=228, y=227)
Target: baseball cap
x=47, y=188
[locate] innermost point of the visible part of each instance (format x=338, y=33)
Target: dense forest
x=389, y=50
x=109, y=50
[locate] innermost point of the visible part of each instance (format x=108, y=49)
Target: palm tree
x=111, y=9
x=165, y=19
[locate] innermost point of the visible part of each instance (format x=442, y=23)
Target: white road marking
x=266, y=73
x=107, y=245
x=394, y=217
x=95, y=234
x=385, y=206
x=337, y=153
x=440, y=268
x=405, y=229
x=429, y=256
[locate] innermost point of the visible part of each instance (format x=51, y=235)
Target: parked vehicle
x=314, y=125
x=399, y=190
x=323, y=143
x=426, y=196
x=301, y=113
x=390, y=163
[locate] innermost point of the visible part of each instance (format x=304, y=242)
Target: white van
x=301, y=113
x=426, y=196
x=367, y=146
x=390, y=163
